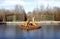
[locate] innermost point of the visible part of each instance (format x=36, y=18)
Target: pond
x=14, y=32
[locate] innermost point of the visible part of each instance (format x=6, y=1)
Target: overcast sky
x=28, y=5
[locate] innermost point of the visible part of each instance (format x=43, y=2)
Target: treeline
x=17, y=14
x=40, y=14
x=45, y=14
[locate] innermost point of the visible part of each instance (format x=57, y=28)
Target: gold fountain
x=29, y=26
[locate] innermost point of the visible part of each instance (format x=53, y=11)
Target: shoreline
x=35, y=22
x=38, y=22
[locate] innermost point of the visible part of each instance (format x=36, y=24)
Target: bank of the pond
x=38, y=22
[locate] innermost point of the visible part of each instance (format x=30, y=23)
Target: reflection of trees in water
x=2, y=30
x=3, y=26
x=19, y=32
x=56, y=27
x=56, y=31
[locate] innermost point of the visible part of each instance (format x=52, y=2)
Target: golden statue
x=33, y=22
x=28, y=22
x=29, y=26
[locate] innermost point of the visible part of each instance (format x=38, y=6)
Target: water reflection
x=14, y=32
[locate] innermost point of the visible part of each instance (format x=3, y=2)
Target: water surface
x=14, y=32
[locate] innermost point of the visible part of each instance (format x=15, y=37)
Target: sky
x=28, y=5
